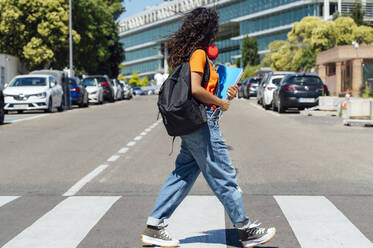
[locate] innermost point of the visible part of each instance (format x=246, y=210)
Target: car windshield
x=136, y=88
x=255, y=80
x=305, y=80
x=31, y=81
x=276, y=81
x=89, y=82
x=72, y=82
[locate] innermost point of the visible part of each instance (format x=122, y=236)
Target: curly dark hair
x=198, y=31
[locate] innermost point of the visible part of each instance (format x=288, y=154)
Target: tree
x=35, y=31
x=99, y=45
x=144, y=81
x=357, y=13
x=249, y=51
x=135, y=79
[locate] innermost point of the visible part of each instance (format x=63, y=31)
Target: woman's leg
x=176, y=187
x=210, y=152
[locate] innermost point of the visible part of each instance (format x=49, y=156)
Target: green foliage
x=311, y=36
x=144, y=81
x=249, y=71
x=366, y=92
x=135, y=79
x=99, y=46
x=249, y=51
x=357, y=14
x=37, y=32
x=237, y=63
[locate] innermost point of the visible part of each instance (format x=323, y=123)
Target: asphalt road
x=89, y=178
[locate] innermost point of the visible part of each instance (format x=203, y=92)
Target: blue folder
x=228, y=76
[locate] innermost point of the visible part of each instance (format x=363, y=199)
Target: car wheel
x=86, y=100
x=82, y=103
x=2, y=116
x=280, y=107
x=274, y=108
x=61, y=107
x=266, y=107
x=50, y=106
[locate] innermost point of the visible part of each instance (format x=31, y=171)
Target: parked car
x=138, y=91
x=78, y=93
x=260, y=88
x=243, y=88
x=271, y=84
x=298, y=90
x=253, y=86
x=127, y=90
x=94, y=89
x=2, y=111
x=107, y=86
x=33, y=92
x=240, y=90
x=118, y=91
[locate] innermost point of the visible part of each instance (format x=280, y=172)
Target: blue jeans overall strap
x=202, y=151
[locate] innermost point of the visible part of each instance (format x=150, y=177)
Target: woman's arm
x=205, y=97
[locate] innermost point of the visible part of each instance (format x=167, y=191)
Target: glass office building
x=145, y=34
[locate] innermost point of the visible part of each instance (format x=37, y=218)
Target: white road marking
x=199, y=227
x=316, y=222
x=66, y=225
x=143, y=133
x=138, y=138
x=29, y=118
x=80, y=184
x=6, y=199
x=132, y=143
x=123, y=150
x=113, y=158
x=148, y=130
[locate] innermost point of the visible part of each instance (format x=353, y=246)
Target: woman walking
x=203, y=150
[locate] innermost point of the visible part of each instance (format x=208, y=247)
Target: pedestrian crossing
x=199, y=222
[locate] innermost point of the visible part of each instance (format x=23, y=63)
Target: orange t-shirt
x=197, y=64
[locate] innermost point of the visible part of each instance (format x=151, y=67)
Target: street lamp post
x=71, y=40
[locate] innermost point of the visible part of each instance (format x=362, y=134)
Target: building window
x=330, y=69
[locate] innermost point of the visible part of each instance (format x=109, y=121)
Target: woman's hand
x=224, y=104
x=232, y=92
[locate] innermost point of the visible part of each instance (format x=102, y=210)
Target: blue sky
x=135, y=6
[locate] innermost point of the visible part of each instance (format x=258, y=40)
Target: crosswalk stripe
x=316, y=222
x=6, y=199
x=199, y=222
x=66, y=225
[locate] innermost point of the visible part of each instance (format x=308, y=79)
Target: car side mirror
x=6, y=85
x=52, y=84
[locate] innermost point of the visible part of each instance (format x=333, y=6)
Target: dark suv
x=106, y=86
x=298, y=90
x=2, y=112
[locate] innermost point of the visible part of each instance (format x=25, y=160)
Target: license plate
x=21, y=106
x=307, y=100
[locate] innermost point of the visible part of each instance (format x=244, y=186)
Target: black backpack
x=181, y=113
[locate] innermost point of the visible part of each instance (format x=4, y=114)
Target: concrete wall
x=10, y=66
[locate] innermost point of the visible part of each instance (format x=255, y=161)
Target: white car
x=118, y=91
x=273, y=81
x=33, y=92
x=94, y=89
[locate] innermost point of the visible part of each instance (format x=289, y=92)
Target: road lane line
x=138, y=138
x=29, y=118
x=66, y=225
x=202, y=228
x=6, y=199
x=143, y=133
x=123, y=150
x=148, y=130
x=80, y=184
x=132, y=143
x=316, y=222
x=113, y=158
